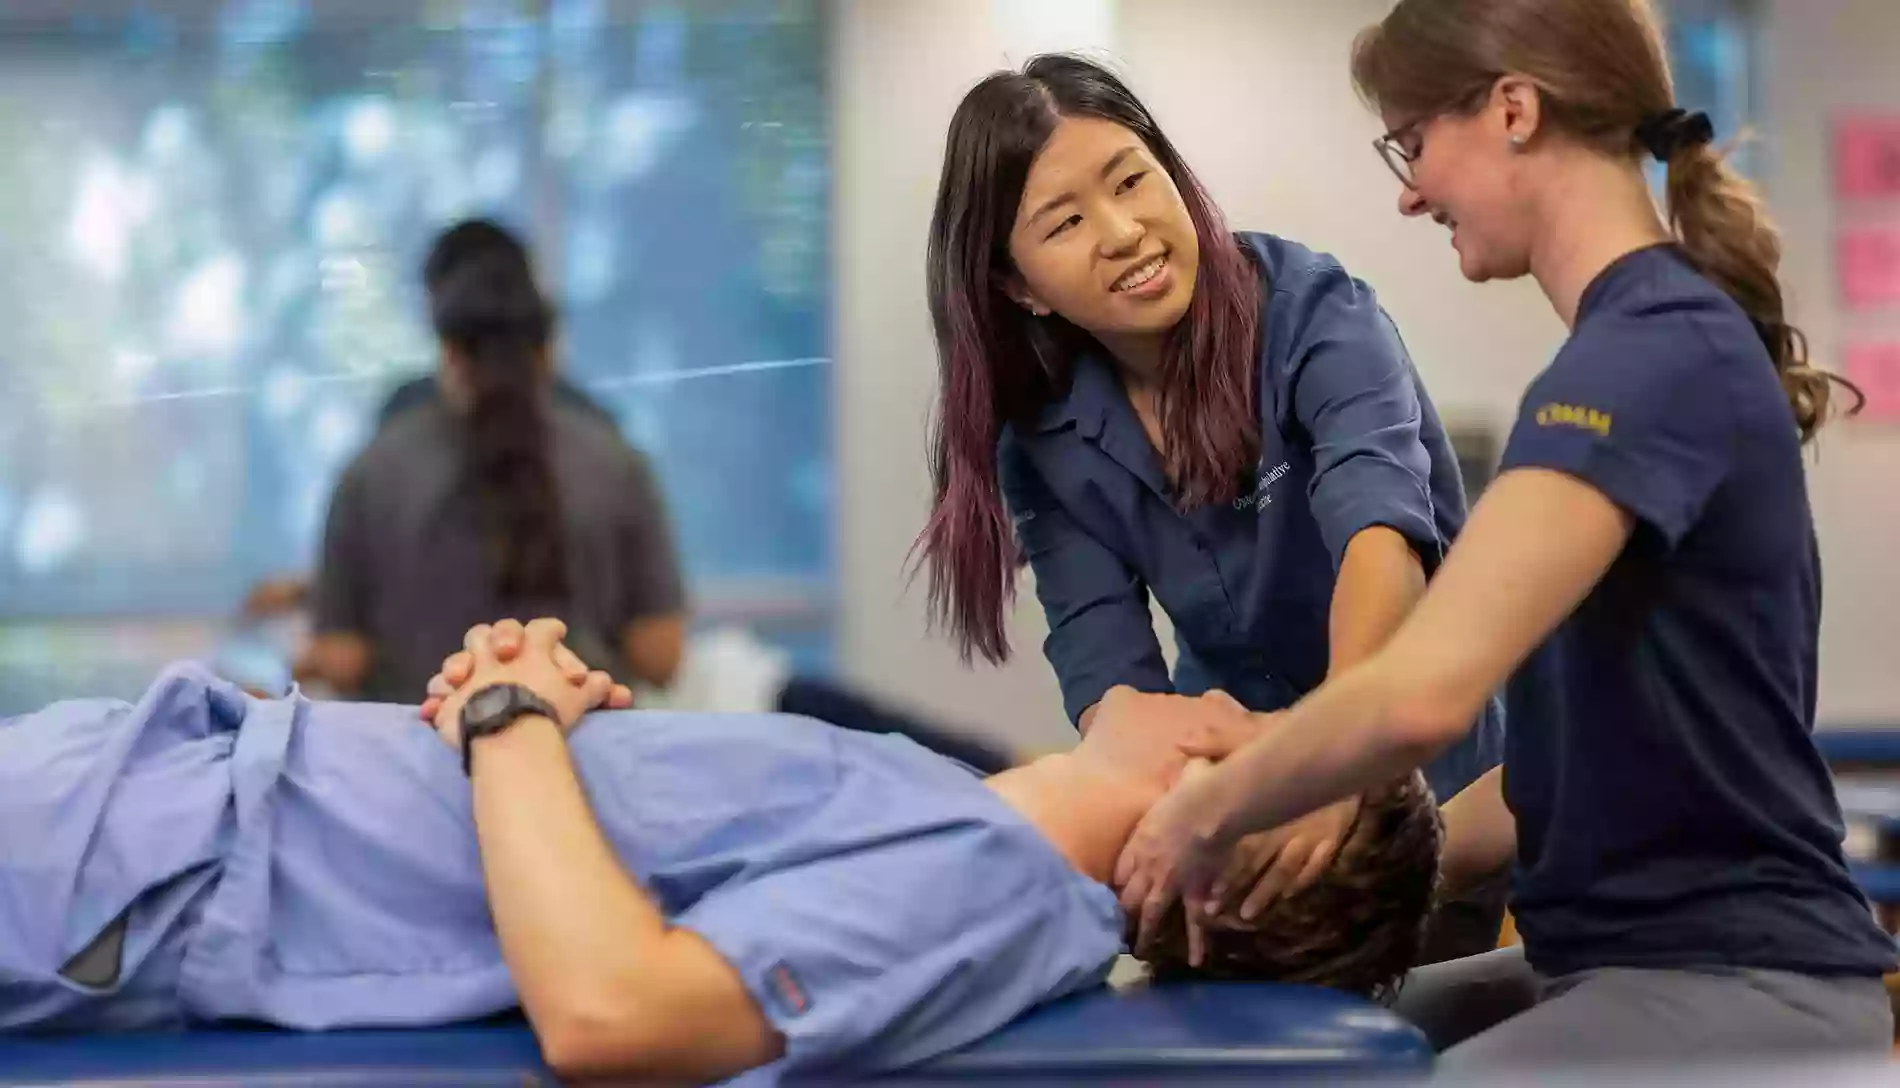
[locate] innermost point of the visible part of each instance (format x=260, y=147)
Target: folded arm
x=611, y=989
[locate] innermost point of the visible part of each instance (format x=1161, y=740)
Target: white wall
x=1825, y=56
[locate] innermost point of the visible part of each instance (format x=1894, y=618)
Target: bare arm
x=1087, y=719
x=1480, y=833
x=610, y=988
x=1536, y=544
x=1379, y=582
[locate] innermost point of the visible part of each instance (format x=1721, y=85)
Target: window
x=213, y=223
x=1714, y=51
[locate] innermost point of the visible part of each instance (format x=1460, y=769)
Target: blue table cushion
x=1880, y=882
x=1196, y=1028
x=1864, y=746
x=1186, y=1033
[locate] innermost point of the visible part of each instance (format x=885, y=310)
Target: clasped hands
x=534, y=656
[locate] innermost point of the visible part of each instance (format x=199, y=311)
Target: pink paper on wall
x=1868, y=265
x=1875, y=368
x=1867, y=158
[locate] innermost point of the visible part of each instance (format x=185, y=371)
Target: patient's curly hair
x=1358, y=928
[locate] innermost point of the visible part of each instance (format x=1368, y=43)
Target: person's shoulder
x=1667, y=323
x=594, y=440
x=586, y=424
x=396, y=444
x=1289, y=266
x=410, y=394
x=1304, y=285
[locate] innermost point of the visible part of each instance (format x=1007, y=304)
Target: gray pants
x=1492, y=1012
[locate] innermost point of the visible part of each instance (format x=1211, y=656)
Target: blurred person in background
x=491, y=493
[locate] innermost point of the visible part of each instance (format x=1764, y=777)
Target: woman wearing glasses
x=1643, y=570
x=1228, y=422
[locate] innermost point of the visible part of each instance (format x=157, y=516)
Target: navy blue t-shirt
x=1672, y=809
x=1349, y=440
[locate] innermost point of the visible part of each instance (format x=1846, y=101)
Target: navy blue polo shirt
x=1672, y=809
x=1349, y=440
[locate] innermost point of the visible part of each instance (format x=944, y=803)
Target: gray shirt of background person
x=404, y=565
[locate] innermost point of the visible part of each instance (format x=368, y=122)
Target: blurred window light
x=214, y=218
x=1715, y=55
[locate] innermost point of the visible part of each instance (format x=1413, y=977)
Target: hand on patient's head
x=1210, y=726
x=533, y=656
x=1358, y=927
x=1266, y=865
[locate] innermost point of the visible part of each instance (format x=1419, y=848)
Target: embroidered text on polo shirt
x=1570, y=415
x=1261, y=498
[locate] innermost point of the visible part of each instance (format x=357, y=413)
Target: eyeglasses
x=1391, y=148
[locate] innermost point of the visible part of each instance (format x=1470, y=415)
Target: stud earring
x=1517, y=140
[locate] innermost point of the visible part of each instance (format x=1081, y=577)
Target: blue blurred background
x=212, y=221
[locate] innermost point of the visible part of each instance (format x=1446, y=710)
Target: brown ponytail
x=1719, y=218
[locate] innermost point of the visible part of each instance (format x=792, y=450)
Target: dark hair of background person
x=490, y=314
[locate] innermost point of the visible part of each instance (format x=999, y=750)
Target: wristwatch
x=495, y=708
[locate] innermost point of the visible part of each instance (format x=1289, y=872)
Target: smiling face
x=1102, y=236
x=1472, y=173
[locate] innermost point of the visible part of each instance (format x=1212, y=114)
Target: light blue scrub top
x=314, y=865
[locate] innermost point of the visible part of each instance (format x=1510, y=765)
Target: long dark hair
x=1602, y=72
x=998, y=365
x=486, y=306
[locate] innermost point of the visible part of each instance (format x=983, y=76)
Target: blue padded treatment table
x=1880, y=882
x=1200, y=1033
x=1860, y=747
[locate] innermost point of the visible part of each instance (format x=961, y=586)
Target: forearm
x=1349, y=736
x=1380, y=580
x=1480, y=833
x=1087, y=719
x=609, y=987
x=1536, y=543
x=565, y=911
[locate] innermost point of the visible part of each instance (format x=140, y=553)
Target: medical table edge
x=1192, y=1033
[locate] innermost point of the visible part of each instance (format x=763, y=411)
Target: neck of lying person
x=1085, y=808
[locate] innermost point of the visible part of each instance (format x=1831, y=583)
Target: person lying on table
x=683, y=897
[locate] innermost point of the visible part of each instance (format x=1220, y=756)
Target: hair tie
x=1674, y=130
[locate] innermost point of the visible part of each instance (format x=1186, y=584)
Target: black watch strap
x=492, y=710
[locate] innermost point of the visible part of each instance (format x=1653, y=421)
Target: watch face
x=489, y=702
